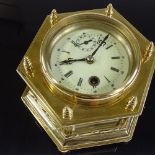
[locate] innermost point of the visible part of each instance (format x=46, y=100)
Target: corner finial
x=109, y=10
x=27, y=64
x=132, y=103
x=67, y=113
x=54, y=17
x=148, y=52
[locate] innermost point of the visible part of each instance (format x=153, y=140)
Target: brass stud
x=148, y=52
x=67, y=113
x=54, y=17
x=27, y=64
x=68, y=131
x=122, y=123
x=132, y=103
x=109, y=10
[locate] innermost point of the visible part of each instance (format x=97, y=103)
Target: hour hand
x=70, y=61
x=86, y=42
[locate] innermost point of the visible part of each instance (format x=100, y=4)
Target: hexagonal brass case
x=72, y=125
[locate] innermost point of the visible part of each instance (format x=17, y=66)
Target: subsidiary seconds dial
x=101, y=70
x=86, y=41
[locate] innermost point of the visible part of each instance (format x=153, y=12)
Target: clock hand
x=89, y=58
x=102, y=42
x=86, y=42
x=70, y=61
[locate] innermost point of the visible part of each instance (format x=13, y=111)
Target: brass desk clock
x=87, y=76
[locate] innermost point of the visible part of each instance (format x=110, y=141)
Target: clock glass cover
x=89, y=60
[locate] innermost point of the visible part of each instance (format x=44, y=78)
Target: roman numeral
x=114, y=69
x=115, y=57
x=109, y=47
x=80, y=82
x=68, y=74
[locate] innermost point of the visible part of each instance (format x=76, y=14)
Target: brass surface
x=74, y=120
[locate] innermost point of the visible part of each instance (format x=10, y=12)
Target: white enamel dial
x=96, y=64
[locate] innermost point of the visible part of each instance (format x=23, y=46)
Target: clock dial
x=89, y=61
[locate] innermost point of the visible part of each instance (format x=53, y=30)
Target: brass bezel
x=93, y=20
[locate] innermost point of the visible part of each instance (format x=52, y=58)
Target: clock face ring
x=94, y=59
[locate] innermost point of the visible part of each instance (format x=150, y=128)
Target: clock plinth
x=95, y=108
x=75, y=136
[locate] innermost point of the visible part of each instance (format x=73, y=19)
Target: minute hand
x=103, y=42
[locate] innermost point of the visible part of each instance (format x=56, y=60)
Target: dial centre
x=90, y=59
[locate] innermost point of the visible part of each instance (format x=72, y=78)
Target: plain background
x=19, y=22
